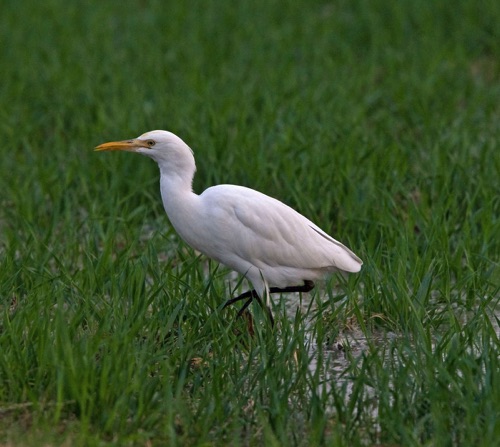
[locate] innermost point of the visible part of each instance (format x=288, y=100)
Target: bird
x=274, y=247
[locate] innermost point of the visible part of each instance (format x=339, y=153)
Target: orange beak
x=125, y=145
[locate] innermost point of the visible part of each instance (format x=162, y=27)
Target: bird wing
x=267, y=233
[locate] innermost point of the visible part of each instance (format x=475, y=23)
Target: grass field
x=378, y=120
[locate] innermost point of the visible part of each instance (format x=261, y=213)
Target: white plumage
x=268, y=242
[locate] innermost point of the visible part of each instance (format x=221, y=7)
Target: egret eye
x=150, y=143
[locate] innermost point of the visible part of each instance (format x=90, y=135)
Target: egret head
x=167, y=149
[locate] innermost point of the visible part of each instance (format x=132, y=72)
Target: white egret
x=273, y=246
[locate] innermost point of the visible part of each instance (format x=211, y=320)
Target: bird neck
x=177, y=173
x=176, y=189
x=182, y=205
x=175, y=181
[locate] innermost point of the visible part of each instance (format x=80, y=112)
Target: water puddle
x=337, y=355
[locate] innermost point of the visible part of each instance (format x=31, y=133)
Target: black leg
x=249, y=294
x=306, y=287
x=252, y=294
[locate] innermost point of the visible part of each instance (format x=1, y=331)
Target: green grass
x=378, y=120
